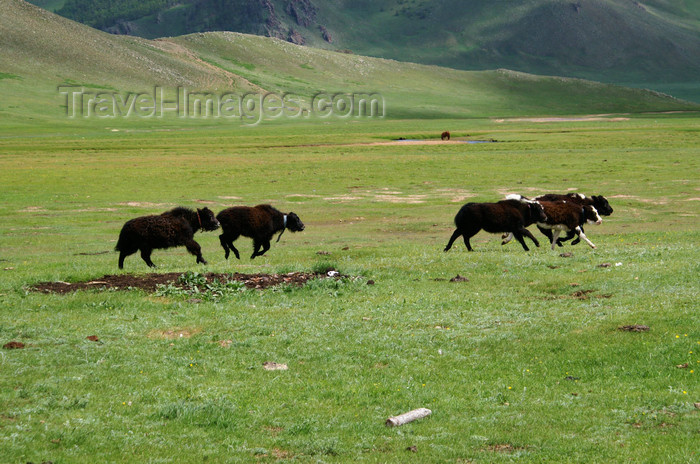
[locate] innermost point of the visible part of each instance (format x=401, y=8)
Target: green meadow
x=523, y=362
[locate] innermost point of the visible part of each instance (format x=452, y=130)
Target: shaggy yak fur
x=445, y=135
x=505, y=216
x=170, y=229
x=599, y=202
x=259, y=222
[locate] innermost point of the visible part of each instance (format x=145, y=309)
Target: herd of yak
x=553, y=214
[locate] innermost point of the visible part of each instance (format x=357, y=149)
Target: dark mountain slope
x=654, y=42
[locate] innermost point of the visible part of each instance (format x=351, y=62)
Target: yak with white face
x=564, y=216
x=599, y=202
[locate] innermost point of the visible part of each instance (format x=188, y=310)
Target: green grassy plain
x=515, y=364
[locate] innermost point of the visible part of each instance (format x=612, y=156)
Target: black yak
x=170, y=229
x=259, y=222
x=505, y=216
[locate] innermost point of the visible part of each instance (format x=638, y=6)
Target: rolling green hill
x=40, y=52
x=653, y=43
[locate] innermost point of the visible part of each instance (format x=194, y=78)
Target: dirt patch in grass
x=146, y=204
x=273, y=366
x=502, y=448
x=634, y=328
x=277, y=454
x=174, y=334
x=13, y=345
x=150, y=282
x=581, y=294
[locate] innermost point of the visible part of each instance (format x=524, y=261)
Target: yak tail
x=120, y=243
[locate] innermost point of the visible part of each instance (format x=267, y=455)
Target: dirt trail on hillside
x=178, y=49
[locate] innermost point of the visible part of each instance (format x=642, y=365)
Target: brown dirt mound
x=149, y=282
x=634, y=328
x=13, y=345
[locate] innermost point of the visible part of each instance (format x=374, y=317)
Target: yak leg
x=224, y=245
x=519, y=237
x=227, y=244
x=232, y=238
x=146, y=256
x=548, y=233
x=506, y=238
x=582, y=236
x=194, y=248
x=235, y=250
x=572, y=235
x=265, y=247
x=527, y=233
x=466, y=241
x=264, y=243
x=454, y=237
x=123, y=254
x=555, y=237
x=569, y=235
x=256, y=249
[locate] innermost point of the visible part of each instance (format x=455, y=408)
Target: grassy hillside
x=41, y=52
x=652, y=43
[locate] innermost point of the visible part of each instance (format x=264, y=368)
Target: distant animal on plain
x=259, y=222
x=170, y=229
x=504, y=216
x=445, y=135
